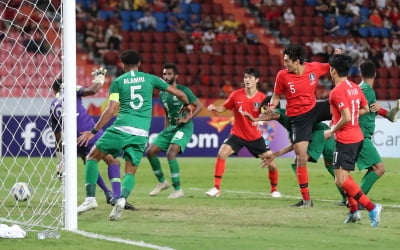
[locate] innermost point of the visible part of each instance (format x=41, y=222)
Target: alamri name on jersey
x=133, y=80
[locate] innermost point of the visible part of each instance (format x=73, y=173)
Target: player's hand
x=327, y=134
x=99, y=76
x=265, y=162
x=85, y=137
x=187, y=110
x=375, y=107
x=248, y=116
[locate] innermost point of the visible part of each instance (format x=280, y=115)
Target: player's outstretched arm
x=99, y=77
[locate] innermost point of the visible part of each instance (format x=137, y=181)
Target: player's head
x=130, y=58
x=368, y=69
x=170, y=73
x=340, y=65
x=251, y=76
x=57, y=85
x=292, y=55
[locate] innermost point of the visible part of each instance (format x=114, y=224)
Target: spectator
x=317, y=46
x=352, y=9
x=274, y=17
x=363, y=48
x=207, y=48
x=209, y=36
x=333, y=8
x=331, y=27
x=207, y=23
x=231, y=23
x=126, y=5
x=376, y=19
x=251, y=36
x=396, y=45
x=222, y=36
x=197, y=34
x=140, y=5
x=289, y=18
x=173, y=23
x=218, y=24
x=240, y=36
x=394, y=15
x=380, y=4
x=231, y=36
x=353, y=25
x=226, y=88
x=147, y=23
x=376, y=57
x=322, y=8
x=389, y=58
x=113, y=38
x=194, y=22
x=395, y=30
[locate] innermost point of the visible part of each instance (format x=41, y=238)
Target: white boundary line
x=119, y=240
x=265, y=194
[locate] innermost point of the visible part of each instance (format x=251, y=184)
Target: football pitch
x=244, y=217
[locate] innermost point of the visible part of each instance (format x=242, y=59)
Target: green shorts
x=368, y=156
x=114, y=141
x=180, y=135
x=318, y=145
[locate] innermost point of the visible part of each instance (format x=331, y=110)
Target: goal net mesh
x=31, y=59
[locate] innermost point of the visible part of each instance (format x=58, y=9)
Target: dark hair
x=171, y=66
x=295, y=52
x=341, y=63
x=252, y=71
x=130, y=57
x=268, y=100
x=368, y=69
x=57, y=85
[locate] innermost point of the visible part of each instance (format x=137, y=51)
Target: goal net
x=31, y=59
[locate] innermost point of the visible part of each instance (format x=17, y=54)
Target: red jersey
x=300, y=89
x=347, y=94
x=238, y=102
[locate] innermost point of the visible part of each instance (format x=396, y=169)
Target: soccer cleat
x=89, y=203
x=159, y=187
x=353, y=217
x=303, y=203
x=341, y=204
x=213, y=192
x=109, y=197
x=276, y=194
x=176, y=194
x=117, y=209
x=129, y=206
x=393, y=113
x=375, y=215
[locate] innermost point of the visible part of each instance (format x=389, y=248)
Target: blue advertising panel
x=32, y=135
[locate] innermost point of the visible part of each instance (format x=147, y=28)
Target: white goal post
x=37, y=46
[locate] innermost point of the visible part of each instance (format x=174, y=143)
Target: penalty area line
x=283, y=196
x=119, y=240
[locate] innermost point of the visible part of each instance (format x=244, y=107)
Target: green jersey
x=173, y=105
x=367, y=121
x=134, y=92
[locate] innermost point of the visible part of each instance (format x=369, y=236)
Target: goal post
x=37, y=46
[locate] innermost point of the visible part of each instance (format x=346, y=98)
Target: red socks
x=218, y=172
x=354, y=191
x=273, y=179
x=302, y=180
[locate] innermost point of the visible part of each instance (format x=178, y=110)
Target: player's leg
x=273, y=174
x=370, y=160
x=344, y=162
x=151, y=153
x=300, y=149
x=91, y=177
x=172, y=152
x=113, y=171
x=224, y=152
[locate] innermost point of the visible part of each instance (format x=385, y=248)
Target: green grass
x=244, y=217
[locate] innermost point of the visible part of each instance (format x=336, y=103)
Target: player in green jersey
x=318, y=145
x=130, y=97
x=176, y=135
x=369, y=157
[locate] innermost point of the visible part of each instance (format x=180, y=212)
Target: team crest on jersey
x=312, y=77
x=256, y=105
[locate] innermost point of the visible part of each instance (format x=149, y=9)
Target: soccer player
x=85, y=122
x=176, y=135
x=298, y=83
x=131, y=96
x=369, y=157
x=318, y=145
x=347, y=103
x=243, y=133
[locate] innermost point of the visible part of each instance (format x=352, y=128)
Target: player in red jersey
x=243, y=133
x=298, y=83
x=347, y=103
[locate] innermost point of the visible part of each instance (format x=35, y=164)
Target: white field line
x=119, y=240
x=265, y=194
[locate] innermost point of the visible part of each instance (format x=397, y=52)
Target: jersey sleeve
x=230, y=101
x=159, y=83
x=339, y=100
x=279, y=83
x=192, y=98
